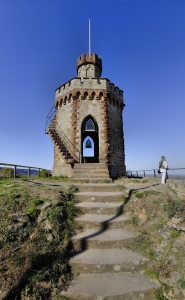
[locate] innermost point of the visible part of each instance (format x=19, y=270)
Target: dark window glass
x=89, y=125
x=88, y=144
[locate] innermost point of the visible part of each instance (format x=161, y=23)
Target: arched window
x=88, y=147
x=70, y=98
x=89, y=126
x=78, y=96
x=101, y=96
x=85, y=96
x=93, y=96
x=88, y=144
x=61, y=101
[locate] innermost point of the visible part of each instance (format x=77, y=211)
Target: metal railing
x=68, y=144
x=15, y=168
x=142, y=173
x=49, y=117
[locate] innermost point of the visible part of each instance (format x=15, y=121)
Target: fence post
x=14, y=175
x=29, y=172
x=144, y=173
x=137, y=174
x=154, y=174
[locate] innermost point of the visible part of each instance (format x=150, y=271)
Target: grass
x=146, y=193
x=33, y=252
x=153, y=273
x=162, y=245
x=159, y=295
x=175, y=208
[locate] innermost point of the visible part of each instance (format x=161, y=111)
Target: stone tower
x=86, y=126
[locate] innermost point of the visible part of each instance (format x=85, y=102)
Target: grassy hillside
x=36, y=222
x=157, y=214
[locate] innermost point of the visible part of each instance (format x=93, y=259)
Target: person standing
x=163, y=166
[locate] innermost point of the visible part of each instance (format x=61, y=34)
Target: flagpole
x=89, y=38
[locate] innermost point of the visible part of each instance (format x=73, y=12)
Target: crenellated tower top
x=89, y=66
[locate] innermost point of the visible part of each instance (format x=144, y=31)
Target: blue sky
x=142, y=46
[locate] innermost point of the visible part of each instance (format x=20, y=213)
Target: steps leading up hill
x=107, y=269
x=93, y=172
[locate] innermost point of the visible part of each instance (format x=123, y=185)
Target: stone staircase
x=93, y=172
x=107, y=269
x=59, y=142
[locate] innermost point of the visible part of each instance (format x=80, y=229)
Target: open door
x=90, y=141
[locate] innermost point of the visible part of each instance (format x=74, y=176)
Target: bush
x=7, y=172
x=44, y=173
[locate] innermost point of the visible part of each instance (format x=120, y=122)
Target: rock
x=182, y=228
x=42, y=216
x=142, y=216
x=15, y=228
x=20, y=217
x=47, y=225
x=49, y=237
x=175, y=276
x=176, y=221
x=46, y=205
x=165, y=235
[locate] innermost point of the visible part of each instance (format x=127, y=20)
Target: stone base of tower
x=116, y=171
x=62, y=170
x=90, y=171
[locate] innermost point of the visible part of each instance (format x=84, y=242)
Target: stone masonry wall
x=63, y=120
x=116, y=141
x=60, y=167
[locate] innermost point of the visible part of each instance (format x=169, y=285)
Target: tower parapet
x=89, y=66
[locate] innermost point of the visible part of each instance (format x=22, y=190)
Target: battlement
x=89, y=83
x=85, y=59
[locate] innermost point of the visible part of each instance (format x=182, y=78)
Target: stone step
x=90, y=176
x=89, y=166
x=101, y=221
x=108, y=260
x=108, y=187
x=111, y=286
x=91, y=180
x=89, y=172
x=103, y=239
x=100, y=207
x=100, y=197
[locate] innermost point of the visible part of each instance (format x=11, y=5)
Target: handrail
x=69, y=145
x=131, y=173
x=28, y=167
x=49, y=117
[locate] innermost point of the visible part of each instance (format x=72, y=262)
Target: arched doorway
x=90, y=140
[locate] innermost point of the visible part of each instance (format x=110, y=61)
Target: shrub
x=37, y=201
x=44, y=173
x=32, y=211
x=7, y=172
x=175, y=207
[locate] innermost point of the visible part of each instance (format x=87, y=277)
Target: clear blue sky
x=142, y=46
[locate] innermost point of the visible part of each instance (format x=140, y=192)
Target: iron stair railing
x=50, y=117
x=68, y=144
x=54, y=129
